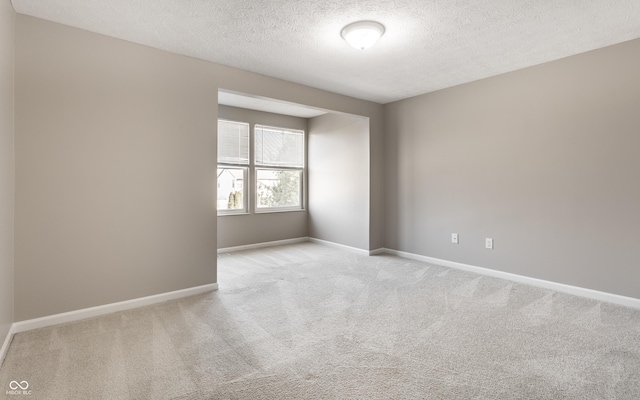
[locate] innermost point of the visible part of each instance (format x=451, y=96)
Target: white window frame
x=246, y=191
x=260, y=210
x=264, y=166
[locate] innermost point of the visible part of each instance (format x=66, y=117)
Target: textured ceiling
x=428, y=44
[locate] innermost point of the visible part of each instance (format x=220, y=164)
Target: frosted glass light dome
x=362, y=34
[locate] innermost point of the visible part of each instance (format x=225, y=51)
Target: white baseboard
x=263, y=244
x=559, y=287
x=299, y=240
x=84, y=313
x=7, y=342
x=340, y=246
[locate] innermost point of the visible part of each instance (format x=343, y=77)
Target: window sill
x=278, y=210
x=233, y=213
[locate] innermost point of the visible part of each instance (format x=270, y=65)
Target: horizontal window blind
x=233, y=142
x=279, y=147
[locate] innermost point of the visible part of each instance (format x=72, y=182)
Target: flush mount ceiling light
x=362, y=34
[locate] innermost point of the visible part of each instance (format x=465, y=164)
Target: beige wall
x=544, y=160
x=240, y=230
x=115, y=164
x=7, y=22
x=115, y=156
x=339, y=176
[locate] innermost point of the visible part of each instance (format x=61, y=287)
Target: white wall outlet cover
x=488, y=243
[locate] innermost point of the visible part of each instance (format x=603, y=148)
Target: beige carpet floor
x=307, y=321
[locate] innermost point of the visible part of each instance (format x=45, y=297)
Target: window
x=279, y=160
x=278, y=188
x=233, y=167
x=276, y=172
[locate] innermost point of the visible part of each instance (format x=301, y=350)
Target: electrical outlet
x=488, y=243
x=454, y=238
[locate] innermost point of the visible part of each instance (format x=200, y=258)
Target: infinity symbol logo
x=13, y=385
